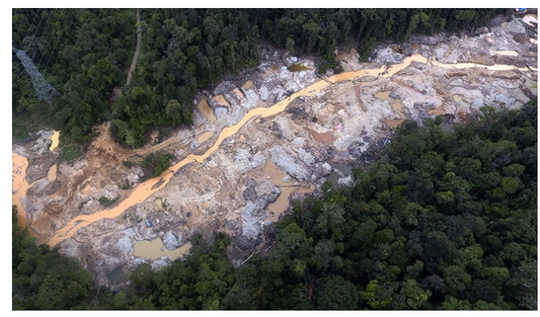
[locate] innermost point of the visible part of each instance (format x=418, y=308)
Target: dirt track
x=137, y=49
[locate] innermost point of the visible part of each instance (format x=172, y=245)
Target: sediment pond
x=146, y=189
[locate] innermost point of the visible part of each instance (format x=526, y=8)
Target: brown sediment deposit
x=204, y=188
x=205, y=110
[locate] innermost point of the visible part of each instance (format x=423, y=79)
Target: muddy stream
x=144, y=190
x=19, y=185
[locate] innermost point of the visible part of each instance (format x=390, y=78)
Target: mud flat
x=271, y=133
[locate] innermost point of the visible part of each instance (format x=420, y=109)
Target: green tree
x=334, y=292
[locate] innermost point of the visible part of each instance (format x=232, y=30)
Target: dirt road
x=137, y=49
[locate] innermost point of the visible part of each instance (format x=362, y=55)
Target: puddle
x=393, y=123
x=459, y=100
x=118, y=275
x=238, y=94
x=220, y=100
x=275, y=175
x=331, y=108
x=397, y=104
x=325, y=138
x=54, y=138
x=297, y=68
x=19, y=185
x=51, y=175
x=158, y=203
x=282, y=202
x=146, y=189
x=205, y=110
x=384, y=95
x=155, y=249
x=248, y=84
x=204, y=136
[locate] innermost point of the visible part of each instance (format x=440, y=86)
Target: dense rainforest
x=85, y=55
x=443, y=221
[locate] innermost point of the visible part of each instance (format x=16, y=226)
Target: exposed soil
x=224, y=188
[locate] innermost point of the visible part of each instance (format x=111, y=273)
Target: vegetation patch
x=443, y=221
x=105, y=202
x=298, y=68
x=70, y=153
x=88, y=50
x=155, y=164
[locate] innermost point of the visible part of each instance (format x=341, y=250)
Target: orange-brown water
x=205, y=136
x=54, y=138
x=205, y=110
x=397, y=105
x=153, y=250
x=275, y=175
x=19, y=185
x=144, y=190
x=51, y=174
x=325, y=138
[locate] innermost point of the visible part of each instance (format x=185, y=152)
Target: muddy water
x=282, y=202
x=51, y=175
x=325, y=138
x=393, y=123
x=204, y=136
x=205, y=110
x=275, y=175
x=397, y=105
x=331, y=108
x=158, y=203
x=54, y=138
x=155, y=249
x=297, y=68
x=248, y=84
x=221, y=101
x=144, y=190
x=238, y=94
x=19, y=185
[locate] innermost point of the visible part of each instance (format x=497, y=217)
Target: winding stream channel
x=144, y=190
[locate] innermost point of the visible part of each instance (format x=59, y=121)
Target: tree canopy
x=432, y=225
x=86, y=53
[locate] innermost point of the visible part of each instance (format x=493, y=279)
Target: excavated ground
x=245, y=185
